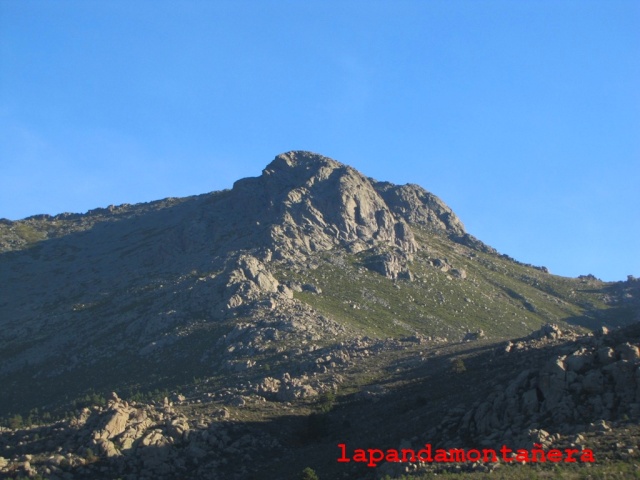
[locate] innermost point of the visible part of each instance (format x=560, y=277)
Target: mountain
x=308, y=285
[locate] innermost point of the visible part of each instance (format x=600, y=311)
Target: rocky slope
x=269, y=298
x=553, y=388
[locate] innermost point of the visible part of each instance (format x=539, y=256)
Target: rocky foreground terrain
x=247, y=333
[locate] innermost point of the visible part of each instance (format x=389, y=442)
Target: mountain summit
x=314, y=203
x=306, y=203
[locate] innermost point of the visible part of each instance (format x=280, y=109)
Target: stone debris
x=589, y=380
x=139, y=437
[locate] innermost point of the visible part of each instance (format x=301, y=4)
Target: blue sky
x=523, y=116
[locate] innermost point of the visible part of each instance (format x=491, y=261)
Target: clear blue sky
x=523, y=116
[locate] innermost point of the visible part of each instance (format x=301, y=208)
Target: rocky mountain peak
x=298, y=166
x=312, y=203
x=316, y=203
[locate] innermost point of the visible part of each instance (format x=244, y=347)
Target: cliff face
x=314, y=203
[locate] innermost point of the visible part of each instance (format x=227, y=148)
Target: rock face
x=315, y=203
x=415, y=205
x=391, y=264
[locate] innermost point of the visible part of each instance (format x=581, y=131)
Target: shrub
x=309, y=474
x=457, y=366
x=15, y=422
x=327, y=401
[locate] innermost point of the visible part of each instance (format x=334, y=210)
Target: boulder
x=606, y=355
x=391, y=264
x=628, y=352
x=115, y=422
x=471, y=336
x=107, y=448
x=578, y=361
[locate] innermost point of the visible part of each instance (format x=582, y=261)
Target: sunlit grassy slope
x=502, y=297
